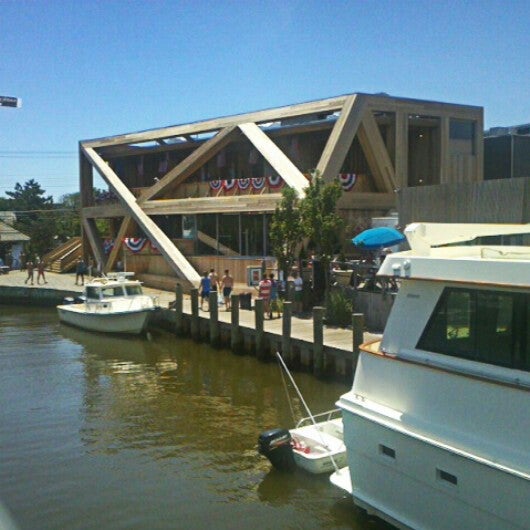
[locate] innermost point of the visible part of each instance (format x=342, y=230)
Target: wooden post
x=194, y=326
x=286, y=330
x=358, y=329
x=235, y=331
x=260, y=336
x=318, y=341
x=214, y=319
x=179, y=315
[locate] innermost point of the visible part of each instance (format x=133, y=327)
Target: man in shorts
x=228, y=284
x=204, y=289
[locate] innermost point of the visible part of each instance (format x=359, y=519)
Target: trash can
x=245, y=301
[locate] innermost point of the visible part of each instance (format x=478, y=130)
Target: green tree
x=68, y=222
x=320, y=221
x=35, y=215
x=286, y=230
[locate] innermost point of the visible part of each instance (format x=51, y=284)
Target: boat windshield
x=133, y=289
x=92, y=293
x=109, y=292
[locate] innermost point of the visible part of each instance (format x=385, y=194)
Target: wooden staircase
x=64, y=257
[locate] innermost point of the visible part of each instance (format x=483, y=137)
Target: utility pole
x=8, y=101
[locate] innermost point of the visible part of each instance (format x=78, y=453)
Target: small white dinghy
x=315, y=445
x=113, y=304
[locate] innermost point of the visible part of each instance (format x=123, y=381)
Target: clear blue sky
x=90, y=69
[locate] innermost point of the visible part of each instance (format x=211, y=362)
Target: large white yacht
x=437, y=423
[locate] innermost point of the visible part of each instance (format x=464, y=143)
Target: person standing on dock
x=40, y=271
x=274, y=306
x=264, y=290
x=298, y=291
x=205, y=288
x=214, y=280
x=30, y=269
x=80, y=270
x=228, y=284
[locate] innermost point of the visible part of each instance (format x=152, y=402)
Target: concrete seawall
x=34, y=296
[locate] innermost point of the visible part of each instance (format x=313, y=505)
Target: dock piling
x=358, y=330
x=179, y=313
x=318, y=341
x=194, y=325
x=214, y=318
x=286, y=330
x=260, y=335
x=235, y=330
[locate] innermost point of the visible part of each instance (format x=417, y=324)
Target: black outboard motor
x=276, y=446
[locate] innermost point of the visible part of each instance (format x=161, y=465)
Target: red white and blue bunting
x=275, y=181
x=135, y=244
x=216, y=185
x=244, y=184
x=258, y=183
x=347, y=180
x=229, y=184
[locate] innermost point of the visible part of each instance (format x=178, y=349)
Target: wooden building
x=202, y=194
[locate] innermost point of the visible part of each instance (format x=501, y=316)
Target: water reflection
x=104, y=432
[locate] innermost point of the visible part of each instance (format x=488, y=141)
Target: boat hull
x=432, y=450
x=127, y=322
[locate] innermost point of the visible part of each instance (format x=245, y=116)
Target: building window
x=485, y=326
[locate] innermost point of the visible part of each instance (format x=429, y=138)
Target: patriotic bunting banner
x=243, y=184
x=108, y=245
x=229, y=184
x=216, y=185
x=135, y=244
x=275, y=181
x=347, y=180
x=258, y=183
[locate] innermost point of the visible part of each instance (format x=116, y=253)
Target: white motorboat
x=113, y=304
x=436, y=424
x=315, y=445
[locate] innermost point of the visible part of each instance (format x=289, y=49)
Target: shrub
x=338, y=309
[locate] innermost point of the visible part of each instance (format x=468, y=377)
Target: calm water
x=106, y=433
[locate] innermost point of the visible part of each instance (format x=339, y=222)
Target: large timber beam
x=266, y=202
x=341, y=137
x=89, y=229
x=173, y=256
x=191, y=163
x=376, y=154
x=114, y=253
x=301, y=109
x=292, y=176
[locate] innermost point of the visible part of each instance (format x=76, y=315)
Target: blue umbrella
x=376, y=238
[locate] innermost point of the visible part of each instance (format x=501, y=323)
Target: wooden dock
x=305, y=342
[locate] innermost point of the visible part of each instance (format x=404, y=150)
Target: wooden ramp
x=64, y=257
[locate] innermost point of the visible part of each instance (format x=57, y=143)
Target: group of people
x=268, y=290
x=30, y=268
x=210, y=282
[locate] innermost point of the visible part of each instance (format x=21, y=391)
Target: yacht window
x=486, y=326
x=133, y=289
